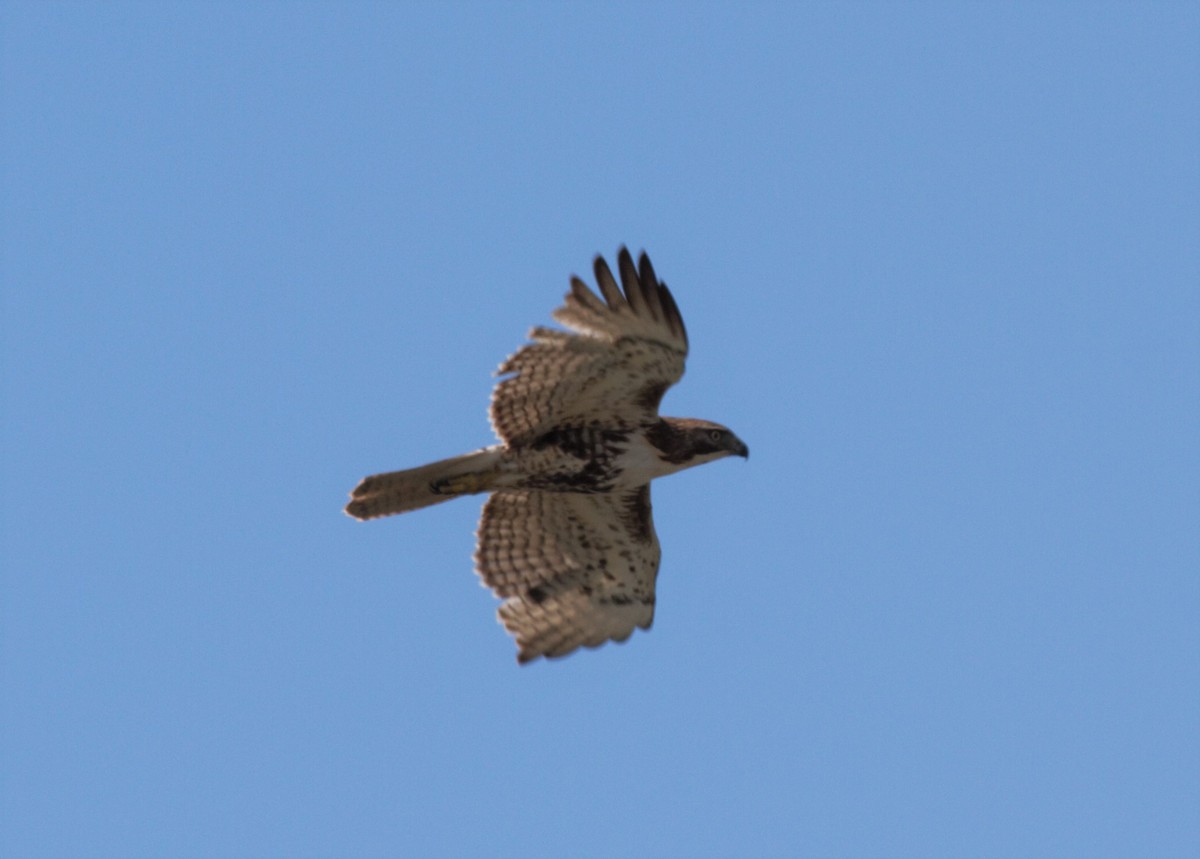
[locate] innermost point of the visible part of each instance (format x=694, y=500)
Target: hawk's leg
x=466, y=484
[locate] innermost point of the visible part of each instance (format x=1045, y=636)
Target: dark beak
x=738, y=447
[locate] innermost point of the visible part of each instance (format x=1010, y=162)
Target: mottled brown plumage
x=567, y=538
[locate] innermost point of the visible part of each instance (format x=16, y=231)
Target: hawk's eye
x=715, y=435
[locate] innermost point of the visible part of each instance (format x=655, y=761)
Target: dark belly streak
x=578, y=459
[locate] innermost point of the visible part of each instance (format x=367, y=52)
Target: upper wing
x=628, y=350
x=574, y=569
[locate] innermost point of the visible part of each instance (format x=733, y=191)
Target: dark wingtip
x=640, y=290
x=652, y=288
x=671, y=312
x=646, y=268
x=624, y=258
x=608, y=284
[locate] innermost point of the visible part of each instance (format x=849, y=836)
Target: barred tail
x=401, y=491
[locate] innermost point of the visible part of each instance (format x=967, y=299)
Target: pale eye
x=715, y=435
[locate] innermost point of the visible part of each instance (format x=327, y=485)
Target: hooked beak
x=738, y=448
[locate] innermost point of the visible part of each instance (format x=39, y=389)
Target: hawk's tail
x=401, y=491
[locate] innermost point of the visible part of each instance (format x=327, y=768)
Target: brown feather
x=608, y=286
x=633, y=286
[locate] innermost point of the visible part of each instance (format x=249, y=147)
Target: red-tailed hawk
x=566, y=538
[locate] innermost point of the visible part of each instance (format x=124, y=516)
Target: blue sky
x=940, y=264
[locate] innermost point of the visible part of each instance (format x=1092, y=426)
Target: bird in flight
x=566, y=538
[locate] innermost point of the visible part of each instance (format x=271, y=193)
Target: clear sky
x=940, y=264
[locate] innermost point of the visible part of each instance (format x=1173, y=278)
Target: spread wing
x=574, y=570
x=628, y=349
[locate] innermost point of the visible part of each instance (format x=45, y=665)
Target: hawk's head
x=685, y=442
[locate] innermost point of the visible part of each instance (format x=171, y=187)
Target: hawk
x=566, y=538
